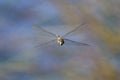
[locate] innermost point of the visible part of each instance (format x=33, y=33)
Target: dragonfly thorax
x=60, y=40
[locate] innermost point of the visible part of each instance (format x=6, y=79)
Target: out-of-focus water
x=19, y=60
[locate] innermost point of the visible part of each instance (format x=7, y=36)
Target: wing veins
x=74, y=29
x=77, y=43
x=43, y=44
x=45, y=31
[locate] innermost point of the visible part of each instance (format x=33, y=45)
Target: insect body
x=60, y=40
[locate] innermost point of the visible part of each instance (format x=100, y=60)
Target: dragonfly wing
x=43, y=31
x=44, y=44
x=75, y=29
x=42, y=36
x=71, y=42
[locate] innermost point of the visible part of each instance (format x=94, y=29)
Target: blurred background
x=19, y=60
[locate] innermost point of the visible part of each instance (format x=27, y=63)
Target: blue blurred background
x=19, y=60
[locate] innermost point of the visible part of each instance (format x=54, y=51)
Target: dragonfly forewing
x=43, y=31
x=79, y=26
x=42, y=35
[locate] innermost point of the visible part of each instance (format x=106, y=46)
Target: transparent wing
x=43, y=31
x=71, y=42
x=75, y=29
x=42, y=36
x=44, y=44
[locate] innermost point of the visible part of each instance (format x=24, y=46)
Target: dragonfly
x=61, y=40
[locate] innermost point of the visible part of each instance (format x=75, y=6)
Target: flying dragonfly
x=61, y=40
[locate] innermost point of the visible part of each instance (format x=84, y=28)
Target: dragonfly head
x=58, y=36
